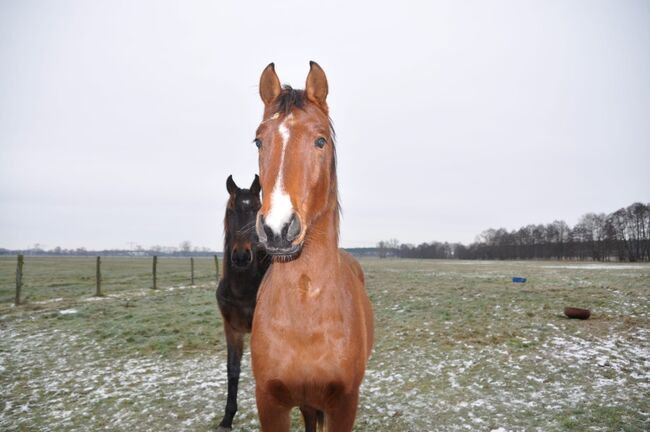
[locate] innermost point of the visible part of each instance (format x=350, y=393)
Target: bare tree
x=393, y=247
x=185, y=246
x=382, y=249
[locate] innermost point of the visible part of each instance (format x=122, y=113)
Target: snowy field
x=458, y=347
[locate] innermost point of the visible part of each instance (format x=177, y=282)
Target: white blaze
x=281, y=208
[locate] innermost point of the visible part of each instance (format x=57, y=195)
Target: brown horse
x=244, y=265
x=313, y=326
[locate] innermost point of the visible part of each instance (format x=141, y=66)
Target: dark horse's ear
x=316, y=88
x=255, y=186
x=231, y=186
x=270, y=87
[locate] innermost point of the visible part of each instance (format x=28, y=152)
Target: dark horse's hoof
x=223, y=429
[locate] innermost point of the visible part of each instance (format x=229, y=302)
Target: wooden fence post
x=98, y=277
x=216, y=265
x=155, y=267
x=192, y=271
x=19, y=277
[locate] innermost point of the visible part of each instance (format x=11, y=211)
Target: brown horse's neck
x=323, y=236
x=322, y=239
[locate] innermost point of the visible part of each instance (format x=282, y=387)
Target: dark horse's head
x=241, y=240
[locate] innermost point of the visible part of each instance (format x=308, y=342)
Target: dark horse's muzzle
x=242, y=257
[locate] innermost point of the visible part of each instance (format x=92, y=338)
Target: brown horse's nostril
x=266, y=234
x=260, y=228
x=293, y=231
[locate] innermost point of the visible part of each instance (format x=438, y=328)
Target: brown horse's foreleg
x=235, y=341
x=273, y=416
x=341, y=413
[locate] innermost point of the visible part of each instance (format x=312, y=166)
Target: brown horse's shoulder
x=363, y=301
x=349, y=263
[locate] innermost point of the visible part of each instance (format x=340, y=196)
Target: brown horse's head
x=239, y=224
x=296, y=159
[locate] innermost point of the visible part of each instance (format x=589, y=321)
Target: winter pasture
x=458, y=347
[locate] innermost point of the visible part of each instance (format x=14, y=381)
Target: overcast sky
x=120, y=121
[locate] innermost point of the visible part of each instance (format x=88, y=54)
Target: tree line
x=623, y=235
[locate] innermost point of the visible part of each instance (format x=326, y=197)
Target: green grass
x=46, y=278
x=458, y=347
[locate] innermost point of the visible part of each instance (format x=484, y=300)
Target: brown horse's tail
x=320, y=420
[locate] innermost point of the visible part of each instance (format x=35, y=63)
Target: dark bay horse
x=313, y=328
x=244, y=265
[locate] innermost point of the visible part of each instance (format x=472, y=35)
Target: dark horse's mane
x=291, y=98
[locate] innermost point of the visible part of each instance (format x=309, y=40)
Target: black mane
x=288, y=99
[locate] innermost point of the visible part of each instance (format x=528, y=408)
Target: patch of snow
x=68, y=311
x=94, y=298
x=54, y=300
x=598, y=267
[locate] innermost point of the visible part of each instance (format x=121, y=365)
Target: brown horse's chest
x=308, y=329
x=310, y=336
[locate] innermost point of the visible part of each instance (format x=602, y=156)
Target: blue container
x=519, y=280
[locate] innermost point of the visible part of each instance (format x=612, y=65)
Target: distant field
x=47, y=278
x=458, y=347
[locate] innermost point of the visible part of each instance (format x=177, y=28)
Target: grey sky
x=120, y=121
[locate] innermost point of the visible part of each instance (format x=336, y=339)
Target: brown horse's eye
x=320, y=142
x=258, y=142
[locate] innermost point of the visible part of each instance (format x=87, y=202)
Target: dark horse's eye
x=258, y=142
x=320, y=142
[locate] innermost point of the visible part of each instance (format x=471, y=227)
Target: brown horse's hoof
x=578, y=313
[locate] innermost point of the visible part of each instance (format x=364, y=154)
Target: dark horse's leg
x=235, y=341
x=312, y=418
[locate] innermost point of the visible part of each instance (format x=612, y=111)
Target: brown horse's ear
x=270, y=87
x=316, y=87
x=255, y=186
x=231, y=186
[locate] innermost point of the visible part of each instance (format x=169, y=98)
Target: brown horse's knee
x=333, y=391
x=274, y=416
x=342, y=412
x=280, y=392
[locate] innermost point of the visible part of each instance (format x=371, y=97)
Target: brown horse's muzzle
x=280, y=243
